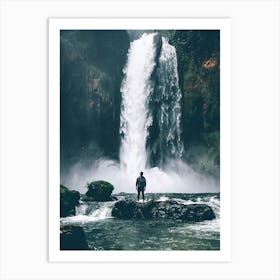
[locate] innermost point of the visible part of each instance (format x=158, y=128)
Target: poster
x=139, y=139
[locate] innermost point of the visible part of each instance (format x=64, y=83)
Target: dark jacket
x=141, y=183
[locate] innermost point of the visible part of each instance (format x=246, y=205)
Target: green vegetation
x=100, y=190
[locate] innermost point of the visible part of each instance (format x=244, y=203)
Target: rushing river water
x=103, y=232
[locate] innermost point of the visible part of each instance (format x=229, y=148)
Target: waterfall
x=140, y=93
x=168, y=105
x=150, y=128
x=135, y=117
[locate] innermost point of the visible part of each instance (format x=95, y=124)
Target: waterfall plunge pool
x=104, y=232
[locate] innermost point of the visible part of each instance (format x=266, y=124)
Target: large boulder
x=68, y=201
x=100, y=191
x=125, y=209
x=170, y=209
x=72, y=238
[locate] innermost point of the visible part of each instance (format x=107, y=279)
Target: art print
x=139, y=149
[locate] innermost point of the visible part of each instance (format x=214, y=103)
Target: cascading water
x=167, y=106
x=135, y=116
x=139, y=93
x=91, y=212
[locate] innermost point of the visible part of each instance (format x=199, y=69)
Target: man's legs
x=138, y=194
x=143, y=195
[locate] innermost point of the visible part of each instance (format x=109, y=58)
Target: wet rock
x=72, y=238
x=100, y=191
x=125, y=209
x=68, y=201
x=170, y=209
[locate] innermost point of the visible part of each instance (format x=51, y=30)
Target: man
x=141, y=185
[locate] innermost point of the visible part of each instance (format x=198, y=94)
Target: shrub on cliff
x=100, y=190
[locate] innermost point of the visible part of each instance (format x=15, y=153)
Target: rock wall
x=198, y=54
x=91, y=64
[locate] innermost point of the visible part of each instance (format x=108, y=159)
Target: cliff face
x=91, y=64
x=198, y=54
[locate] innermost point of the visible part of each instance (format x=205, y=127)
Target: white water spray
x=135, y=118
x=168, y=99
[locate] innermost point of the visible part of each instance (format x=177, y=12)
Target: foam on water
x=90, y=212
x=163, y=198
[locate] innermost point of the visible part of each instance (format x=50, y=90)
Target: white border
x=55, y=25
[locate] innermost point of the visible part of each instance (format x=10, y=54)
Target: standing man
x=141, y=185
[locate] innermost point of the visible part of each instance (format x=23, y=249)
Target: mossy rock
x=68, y=201
x=100, y=191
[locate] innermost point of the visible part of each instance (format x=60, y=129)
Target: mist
x=176, y=177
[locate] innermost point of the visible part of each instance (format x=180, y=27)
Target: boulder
x=170, y=209
x=125, y=209
x=68, y=201
x=100, y=191
x=72, y=238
